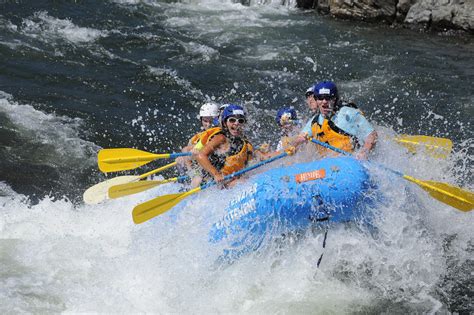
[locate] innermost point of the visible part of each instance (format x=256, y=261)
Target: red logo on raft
x=305, y=177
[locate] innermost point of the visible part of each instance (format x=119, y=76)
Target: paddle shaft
x=245, y=170
x=156, y=170
x=131, y=188
x=328, y=146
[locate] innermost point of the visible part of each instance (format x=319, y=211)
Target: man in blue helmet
x=225, y=150
x=337, y=123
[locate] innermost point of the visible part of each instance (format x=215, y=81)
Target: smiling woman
x=228, y=151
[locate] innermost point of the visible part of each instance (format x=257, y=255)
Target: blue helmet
x=232, y=110
x=326, y=88
x=286, y=114
x=218, y=118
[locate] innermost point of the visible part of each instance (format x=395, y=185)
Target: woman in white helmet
x=209, y=117
x=208, y=114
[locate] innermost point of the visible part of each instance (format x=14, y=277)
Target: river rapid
x=79, y=76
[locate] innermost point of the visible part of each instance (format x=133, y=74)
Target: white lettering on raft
x=240, y=207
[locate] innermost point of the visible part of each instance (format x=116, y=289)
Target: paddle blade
x=436, y=147
x=99, y=192
x=114, y=160
x=451, y=195
x=118, y=191
x=152, y=208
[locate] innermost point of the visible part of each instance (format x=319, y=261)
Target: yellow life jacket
x=195, y=139
x=332, y=135
x=205, y=136
x=286, y=141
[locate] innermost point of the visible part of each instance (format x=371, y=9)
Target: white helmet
x=209, y=110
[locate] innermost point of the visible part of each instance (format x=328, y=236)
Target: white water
x=59, y=257
x=45, y=27
x=51, y=139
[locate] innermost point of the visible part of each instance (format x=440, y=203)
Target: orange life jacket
x=236, y=162
x=205, y=136
x=231, y=161
x=235, y=159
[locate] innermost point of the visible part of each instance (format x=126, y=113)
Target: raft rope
x=323, y=217
x=326, y=228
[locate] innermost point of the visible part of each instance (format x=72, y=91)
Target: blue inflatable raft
x=289, y=199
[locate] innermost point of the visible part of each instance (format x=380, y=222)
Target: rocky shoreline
x=429, y=14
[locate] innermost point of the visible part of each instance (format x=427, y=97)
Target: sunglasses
x=308, y=94
x=324, y=97
x=233, y=120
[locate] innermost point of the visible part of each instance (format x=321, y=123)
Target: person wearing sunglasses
x=337, y=123
x=226, y=151
x=310, y=100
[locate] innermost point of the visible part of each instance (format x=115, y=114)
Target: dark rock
x=306, y=4
x=367, y=10
x=403, y=6
x=435, y=14
x=463, y=16
x=441, y=14
x=323, y=6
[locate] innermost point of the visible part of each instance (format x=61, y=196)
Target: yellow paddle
x=122, y=190
x=451, y=195
x=98, y=192
x=154, y=207
x=436, y=147
x=114, y=160
x=134, y=187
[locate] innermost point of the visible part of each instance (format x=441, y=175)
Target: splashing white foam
x=48, y=131
x=61, y=257
x=43, y=26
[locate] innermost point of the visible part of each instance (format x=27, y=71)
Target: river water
x=79, y=76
